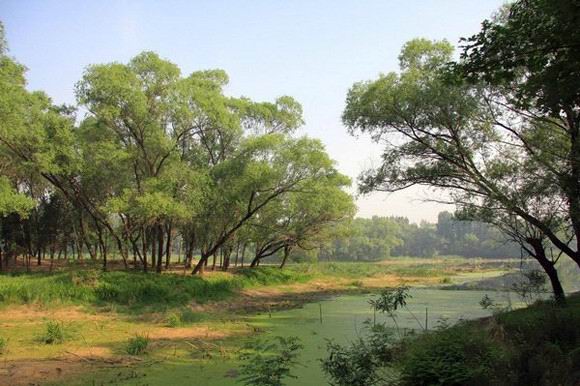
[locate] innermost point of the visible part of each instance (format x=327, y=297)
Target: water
x=343, y=318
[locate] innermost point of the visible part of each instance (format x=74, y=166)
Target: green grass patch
x=3, y=345
x=54, y=333
x=137, y=345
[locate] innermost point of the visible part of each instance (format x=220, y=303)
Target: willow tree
x=303, y=219
x=265, y=170
x=444, y=134
x=528, y=57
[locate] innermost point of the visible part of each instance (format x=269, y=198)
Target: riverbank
x=186, y=319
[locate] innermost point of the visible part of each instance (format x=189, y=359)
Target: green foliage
x=391, y=299
x=350, y=365
x=538, y=345
x=54, y=333
x=380, y=237
x=272, y=276
x=363, y=361
x=268, y=363
x=12, y=202
x=173, y=320
x=137, y=345
x=3, y=345
x=453, y=357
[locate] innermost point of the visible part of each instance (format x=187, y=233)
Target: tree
x=303, y=219
x=445, y=135
x=528, y=55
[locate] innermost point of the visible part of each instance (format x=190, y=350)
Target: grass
x=136, y=289
x=3, y=345
x=137, y=345
x=87, y=301
x=54, y=333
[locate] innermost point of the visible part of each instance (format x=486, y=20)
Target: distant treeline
x=379, y=237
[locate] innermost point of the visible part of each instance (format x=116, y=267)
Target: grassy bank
x=135, y=288
x=128, y=288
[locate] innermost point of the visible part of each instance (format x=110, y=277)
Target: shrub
x=452, y=357
x=137, y=345
x=173, y=320
x=267, y=363
x=362, y=362
x=54, y=332
x=354, y=365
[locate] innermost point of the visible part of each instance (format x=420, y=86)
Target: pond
x=342, y=321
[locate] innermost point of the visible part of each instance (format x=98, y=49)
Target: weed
x=173, y=320
x=137, y=345
x=267, y=363
x=3, y=345
x=54, y=333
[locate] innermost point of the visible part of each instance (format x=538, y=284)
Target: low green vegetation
x=54, y=333
x=137, y=345
x=137, y=290
x=3, y=345
x=538, y=345
x=269, y=363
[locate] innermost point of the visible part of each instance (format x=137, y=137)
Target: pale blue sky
x=312, y=50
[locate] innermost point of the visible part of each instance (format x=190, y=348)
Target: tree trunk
x=201, y=263
x=255, y=262
x=168, y=248
x=227, y=254
x=160, y=246
x=286, y=254
x=237, y=254
x=550, y=270
x=243, y=254
x=144, y=249
x=103, y=247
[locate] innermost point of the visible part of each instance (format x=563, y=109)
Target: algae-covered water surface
x=340, y=318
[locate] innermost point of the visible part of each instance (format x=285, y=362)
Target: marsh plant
x=54, y=332
x=269, y=362
x=364, y=361
x=3, y=345
x=389, y=301
x=137, y=345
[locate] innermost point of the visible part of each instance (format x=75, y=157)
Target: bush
x=452, y=357
x=267, y=363
x=362, y=362
x=54, y=333
x=354, y=365
x=137, y=345
x=173, y=320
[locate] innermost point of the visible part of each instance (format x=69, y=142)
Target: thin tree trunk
x=144, y=249
x=286, y=254
x=168, y=248
x=160, y=246
x=243, y=254
x=199, y=267
x=548, y=266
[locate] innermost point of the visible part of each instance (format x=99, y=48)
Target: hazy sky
x=312, y=50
